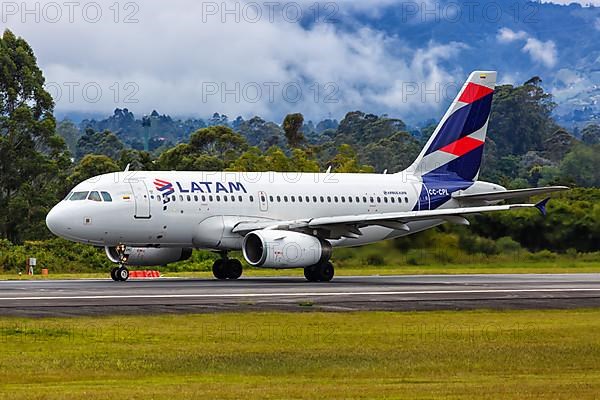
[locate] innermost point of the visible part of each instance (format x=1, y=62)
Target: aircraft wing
x=508, y=194
x=348, y=225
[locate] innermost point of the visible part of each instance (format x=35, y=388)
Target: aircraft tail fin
x=454, y=150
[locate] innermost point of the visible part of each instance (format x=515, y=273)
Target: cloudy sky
x=187, y=57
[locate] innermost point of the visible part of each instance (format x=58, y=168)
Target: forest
x=42, y=158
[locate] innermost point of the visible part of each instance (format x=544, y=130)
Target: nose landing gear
x=227, y=268
x=120, y=273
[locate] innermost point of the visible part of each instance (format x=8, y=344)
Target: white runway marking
x=299, y=294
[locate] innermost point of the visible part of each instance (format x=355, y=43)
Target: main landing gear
x=227, y=268
x=322, y=272
x=120, y=273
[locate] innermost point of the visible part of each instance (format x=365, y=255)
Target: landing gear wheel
x=113, y=273
x=310, y=273
x=326, y=272
x=322, y=272
x=233, y=269
x=219, y=269
x=122, y=273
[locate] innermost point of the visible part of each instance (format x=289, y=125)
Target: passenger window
x=195, y=197
x=406, y=199
x=365, y=199
x=378, y=199
x=385, y=200
x=335, y=198
x=232, y=198
x=218, y=198
x=307, y=199
x=293, y=199
x=240, y=199
x=392, y=199
x=174, y=198
x=343, y=199
x=300, y=199
x=94, y=196
x=322, y=199
x=203, y=198
x=106, y=196
x=224, y=198
x=285, y=199
x=251, y=199
x=189, y=198
x=181, y=197
x=278, y=199
x=79, y=196
x=371, y=200
x=357, y=199
x=271, y=199
x=210, y=198
x=263, y=198
x=349, y=199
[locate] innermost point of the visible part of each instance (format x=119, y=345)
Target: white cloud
x=542, y=52
x=507, y=35
x=585, y=3
x=174, y=51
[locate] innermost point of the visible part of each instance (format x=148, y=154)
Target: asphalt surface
x=406, y=292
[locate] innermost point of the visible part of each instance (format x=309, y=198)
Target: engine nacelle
x=284, y=249
x=150, y=256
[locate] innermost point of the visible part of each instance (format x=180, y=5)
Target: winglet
x=542, y=206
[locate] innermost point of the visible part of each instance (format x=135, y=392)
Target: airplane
x=290, y=220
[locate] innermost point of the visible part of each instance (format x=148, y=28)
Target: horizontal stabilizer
x=508, y=194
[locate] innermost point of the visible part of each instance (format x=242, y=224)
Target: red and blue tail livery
x=451, y=159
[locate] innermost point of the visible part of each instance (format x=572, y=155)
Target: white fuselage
x=199, y=209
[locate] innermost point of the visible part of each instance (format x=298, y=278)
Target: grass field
x=496, y=267
x=480, y=354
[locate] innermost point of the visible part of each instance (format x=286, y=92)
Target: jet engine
x=284, y=249
x=150, y=256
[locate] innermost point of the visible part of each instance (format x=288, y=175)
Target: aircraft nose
x=56, y=221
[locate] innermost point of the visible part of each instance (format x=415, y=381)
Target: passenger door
x=141, y=198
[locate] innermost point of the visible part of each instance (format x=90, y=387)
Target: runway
x=402, y=292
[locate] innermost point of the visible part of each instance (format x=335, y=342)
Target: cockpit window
x=106, y=196
x=67, y=196
x=79, y=196
x=94, y=196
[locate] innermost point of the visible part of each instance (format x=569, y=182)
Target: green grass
x=478, y=354
x=562, y=265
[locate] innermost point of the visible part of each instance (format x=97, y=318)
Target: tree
x=346, y=160
x=32, y=157
x=91, y=165
x=209, y=149
x=106, y=143
x=274, y=159
x=591, y=134
x=521, y=118
x=292, y=125
x=261, y=133
x=70, y=134
x=581, y=165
